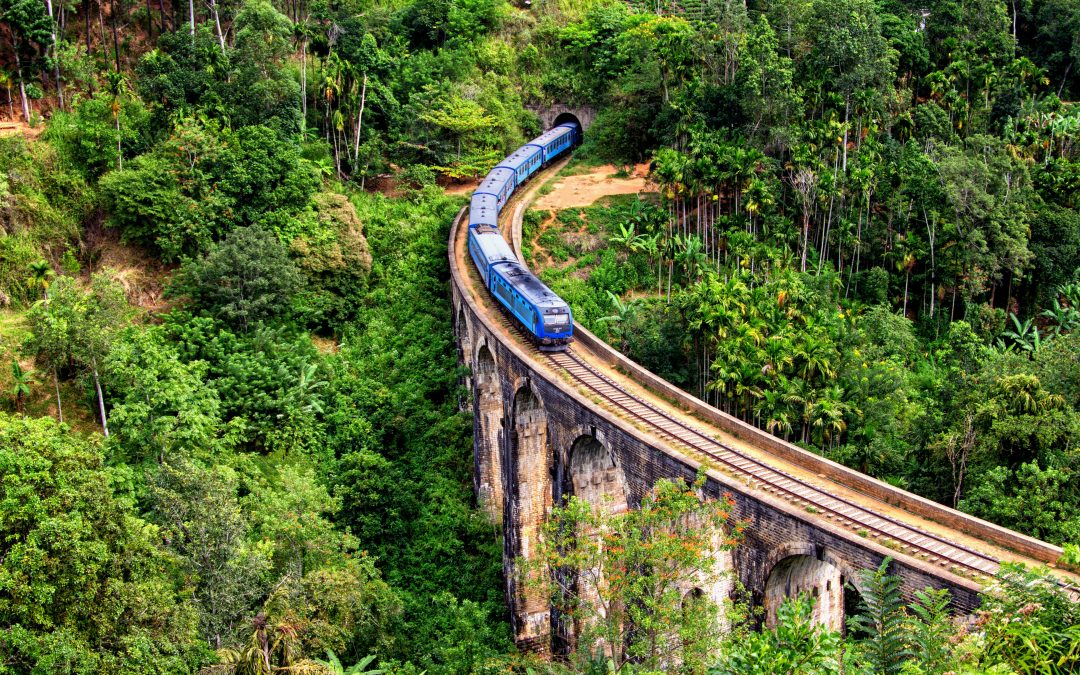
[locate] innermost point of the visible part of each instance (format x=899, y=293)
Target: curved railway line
x=845, y=512
x=669, y=426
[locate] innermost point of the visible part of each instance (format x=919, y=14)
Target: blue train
x=542, y=313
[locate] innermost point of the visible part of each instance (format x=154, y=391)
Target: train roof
x=492, y=245
x=483, y=208
x=552, y=134
x=482, y=200
x=526, y=283
x=495, y=180
x=520, y=156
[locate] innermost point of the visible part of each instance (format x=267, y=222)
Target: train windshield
x=556, y=321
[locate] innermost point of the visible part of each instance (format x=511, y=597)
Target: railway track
x=889, y=531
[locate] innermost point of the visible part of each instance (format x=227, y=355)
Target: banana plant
x=1024, y=335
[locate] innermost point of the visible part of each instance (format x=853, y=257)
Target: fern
x=882, y=619
x=931, y=630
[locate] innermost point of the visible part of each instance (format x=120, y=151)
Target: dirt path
x=579, y=191
x=585, y=188
x=20, y=128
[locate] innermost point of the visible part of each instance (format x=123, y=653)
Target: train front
x=556, y=329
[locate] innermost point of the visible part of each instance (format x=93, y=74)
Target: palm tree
x=21, y=381
x=801, y=396
x=813, y=353
x=41, y=275
x=827, y=416
x=274, y=647
x=1025, y=394
x=774, y=410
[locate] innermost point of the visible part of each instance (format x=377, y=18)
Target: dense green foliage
x=866, y=241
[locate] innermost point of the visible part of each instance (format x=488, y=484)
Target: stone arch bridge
x=539, y=435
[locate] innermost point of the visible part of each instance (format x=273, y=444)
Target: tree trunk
x=907, y=278
x=115, y=34
x=847, y=118
x=360, y=120
x=59, y=406
x=217, y=25
x=22, y=85
x=805, y=238
x=149, y=21
x=101, y=28
x=56, y=61
x=191, y=16
x=100, y=398
x=303, y=78
x=119, y=151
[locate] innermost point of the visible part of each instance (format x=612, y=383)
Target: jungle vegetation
x=235, y=438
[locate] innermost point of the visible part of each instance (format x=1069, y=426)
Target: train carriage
x=500, y=183
x=483, y=210
x=487, y=248
x=537, y=307
x=525, y=161
x=557, y=140
x=539, y=310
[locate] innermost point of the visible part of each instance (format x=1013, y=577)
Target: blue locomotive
x=543, y=314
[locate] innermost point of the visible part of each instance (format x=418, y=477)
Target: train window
x=556, y=322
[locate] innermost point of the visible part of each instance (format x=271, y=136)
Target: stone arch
x=806, y=569
x=594, y=476
x=558, y=113
x=530, y=497
x=487, y=423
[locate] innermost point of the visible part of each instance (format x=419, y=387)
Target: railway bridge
x=592, y=423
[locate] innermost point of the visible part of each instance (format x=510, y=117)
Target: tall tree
x=849, y=51
x=28, y=28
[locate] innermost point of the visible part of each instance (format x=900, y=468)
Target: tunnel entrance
x=564, y=118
